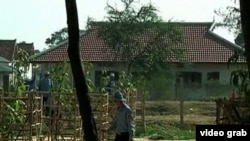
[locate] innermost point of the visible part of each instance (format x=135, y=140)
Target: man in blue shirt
x=111, y=84
x=45, y=86
x=123, y=125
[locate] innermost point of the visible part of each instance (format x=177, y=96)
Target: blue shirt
x=111, y=86
x=124, y=121
x=45, y=85
x=31, y=84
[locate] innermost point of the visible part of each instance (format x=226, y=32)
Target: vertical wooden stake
x=181, y=101
x=143, y=111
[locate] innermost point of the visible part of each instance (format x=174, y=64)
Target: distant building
x=8, y=56
x=206, y=51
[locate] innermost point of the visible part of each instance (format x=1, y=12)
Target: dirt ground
x=168, y=112
x=143, y=139
x=195, y=112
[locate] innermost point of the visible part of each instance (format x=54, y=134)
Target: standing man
x=123, y=125
x=111, y=84
x=45, y=86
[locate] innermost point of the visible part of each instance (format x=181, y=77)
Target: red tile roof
x=7, y=49
x=200, y=43
x=28, y=47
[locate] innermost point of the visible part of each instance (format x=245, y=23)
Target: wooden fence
x=232, y=111
x=55, y=121
x=20, y=117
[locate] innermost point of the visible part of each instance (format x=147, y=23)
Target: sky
x=35, y=20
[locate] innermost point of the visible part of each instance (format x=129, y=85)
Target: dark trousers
x=122, y=137
x=45, y=100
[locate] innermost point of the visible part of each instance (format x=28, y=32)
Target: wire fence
x=169, y=112
x=190, y=92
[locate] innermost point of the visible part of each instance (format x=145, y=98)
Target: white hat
x=112, y=74
x=46, y=73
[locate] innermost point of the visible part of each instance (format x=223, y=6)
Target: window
x=100, y=74
x=190, y=77
x=212, y=76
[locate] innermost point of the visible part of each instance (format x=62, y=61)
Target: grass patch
x=160, y=131
x=162, y=119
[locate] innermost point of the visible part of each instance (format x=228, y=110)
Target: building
x=8, y=57
x=207, y=53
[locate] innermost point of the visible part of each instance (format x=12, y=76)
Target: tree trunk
x=89, y=127
x=245, y=23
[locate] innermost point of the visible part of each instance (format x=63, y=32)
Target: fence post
x=1, y=107
x=181, y=101
x=143, y=114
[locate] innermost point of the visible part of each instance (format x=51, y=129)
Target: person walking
x=123, y=124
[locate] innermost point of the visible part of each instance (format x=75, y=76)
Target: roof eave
x=52, y=48
x=210, y=31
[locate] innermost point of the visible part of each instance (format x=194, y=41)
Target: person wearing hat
x=44, y=87
x=123, y=124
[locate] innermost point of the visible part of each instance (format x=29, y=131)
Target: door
x=6, y=82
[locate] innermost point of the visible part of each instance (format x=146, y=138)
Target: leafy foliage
x=234, y=58
x=239, y=78
x=231, y=18
x=87, y=69
x=22, y=67
x=62, y=85
x=16, y=107
x=57, y=37
x=61, y=79
x=139, y=36
x=125, y=83
x=232, y=21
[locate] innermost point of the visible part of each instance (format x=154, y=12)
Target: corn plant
x=62, y=84
x=16, y=109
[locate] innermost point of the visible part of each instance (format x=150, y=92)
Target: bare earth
x=143, y=139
